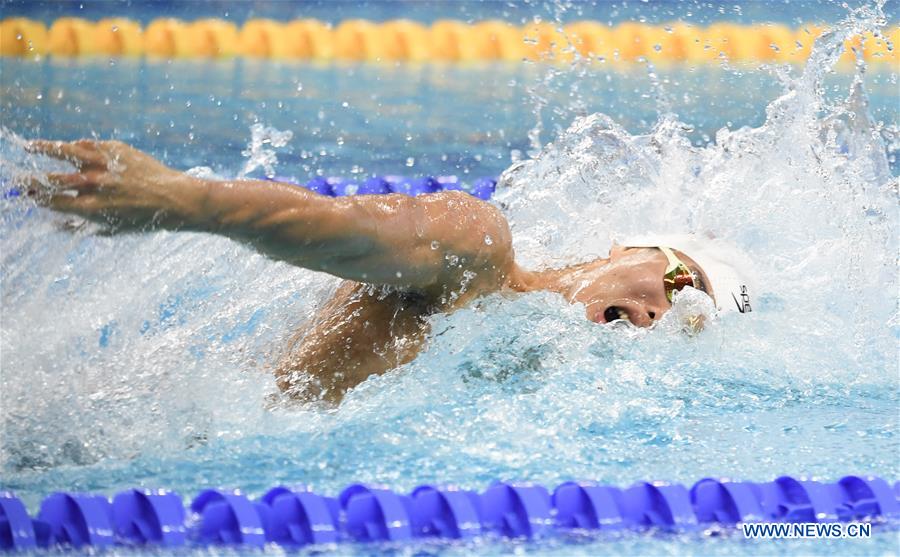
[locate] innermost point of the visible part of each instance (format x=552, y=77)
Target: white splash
x=261, y=152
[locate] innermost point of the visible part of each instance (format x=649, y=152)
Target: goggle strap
x=673, y=260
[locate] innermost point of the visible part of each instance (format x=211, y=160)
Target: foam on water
x=146, y=358
x=808, y=195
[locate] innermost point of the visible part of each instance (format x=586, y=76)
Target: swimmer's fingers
x=79, y=183
x=85, y=206
x=83, y=153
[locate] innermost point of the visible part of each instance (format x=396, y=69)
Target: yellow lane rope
x=444, y=40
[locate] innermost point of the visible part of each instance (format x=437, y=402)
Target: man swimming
x=403, y=258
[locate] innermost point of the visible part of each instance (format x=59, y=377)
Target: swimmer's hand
x=114, y=184
x=439, y=245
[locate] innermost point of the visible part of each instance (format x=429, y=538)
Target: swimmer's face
x=630, y=286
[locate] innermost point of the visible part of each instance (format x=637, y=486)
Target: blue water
x=145, y=359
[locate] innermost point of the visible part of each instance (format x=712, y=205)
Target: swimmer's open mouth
x=615, y=313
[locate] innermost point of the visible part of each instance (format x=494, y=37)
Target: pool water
x=144, y=360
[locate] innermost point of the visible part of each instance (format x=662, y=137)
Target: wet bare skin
x=363, y=331
x=359, y=332
x=402, y=258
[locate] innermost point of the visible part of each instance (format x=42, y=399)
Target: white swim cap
x=727, y=269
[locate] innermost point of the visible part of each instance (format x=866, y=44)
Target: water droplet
x=410, y=162
x=345, y=104
x=399, y=274
x=19, y=37
x=106, y=101
x=299, y=87
x=39, y=96
x=657, y=47
x=115, y=28
x=488, y=241
x=435, y=244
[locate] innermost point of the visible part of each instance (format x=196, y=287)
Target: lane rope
x=298, y=516
x=442, y=41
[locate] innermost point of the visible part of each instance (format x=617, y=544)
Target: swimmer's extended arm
x=428, y=242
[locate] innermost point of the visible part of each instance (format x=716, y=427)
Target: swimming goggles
x=678, y=274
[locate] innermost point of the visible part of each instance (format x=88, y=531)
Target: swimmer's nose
x=638, y=314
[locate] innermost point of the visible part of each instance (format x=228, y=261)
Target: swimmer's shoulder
x=475, y=237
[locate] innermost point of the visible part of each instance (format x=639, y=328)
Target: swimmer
x=402, y=258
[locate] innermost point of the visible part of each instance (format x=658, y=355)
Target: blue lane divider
x=482, y=188
x=587, y=506
x=302, y=517
x=653, y=504
x=295, y=517
x=78, y=520
x=516, y=511
x=725, y=502
x=16, y=527
x=445, y=513
x=229, y=519
x=146, y=517
x=376, y=514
